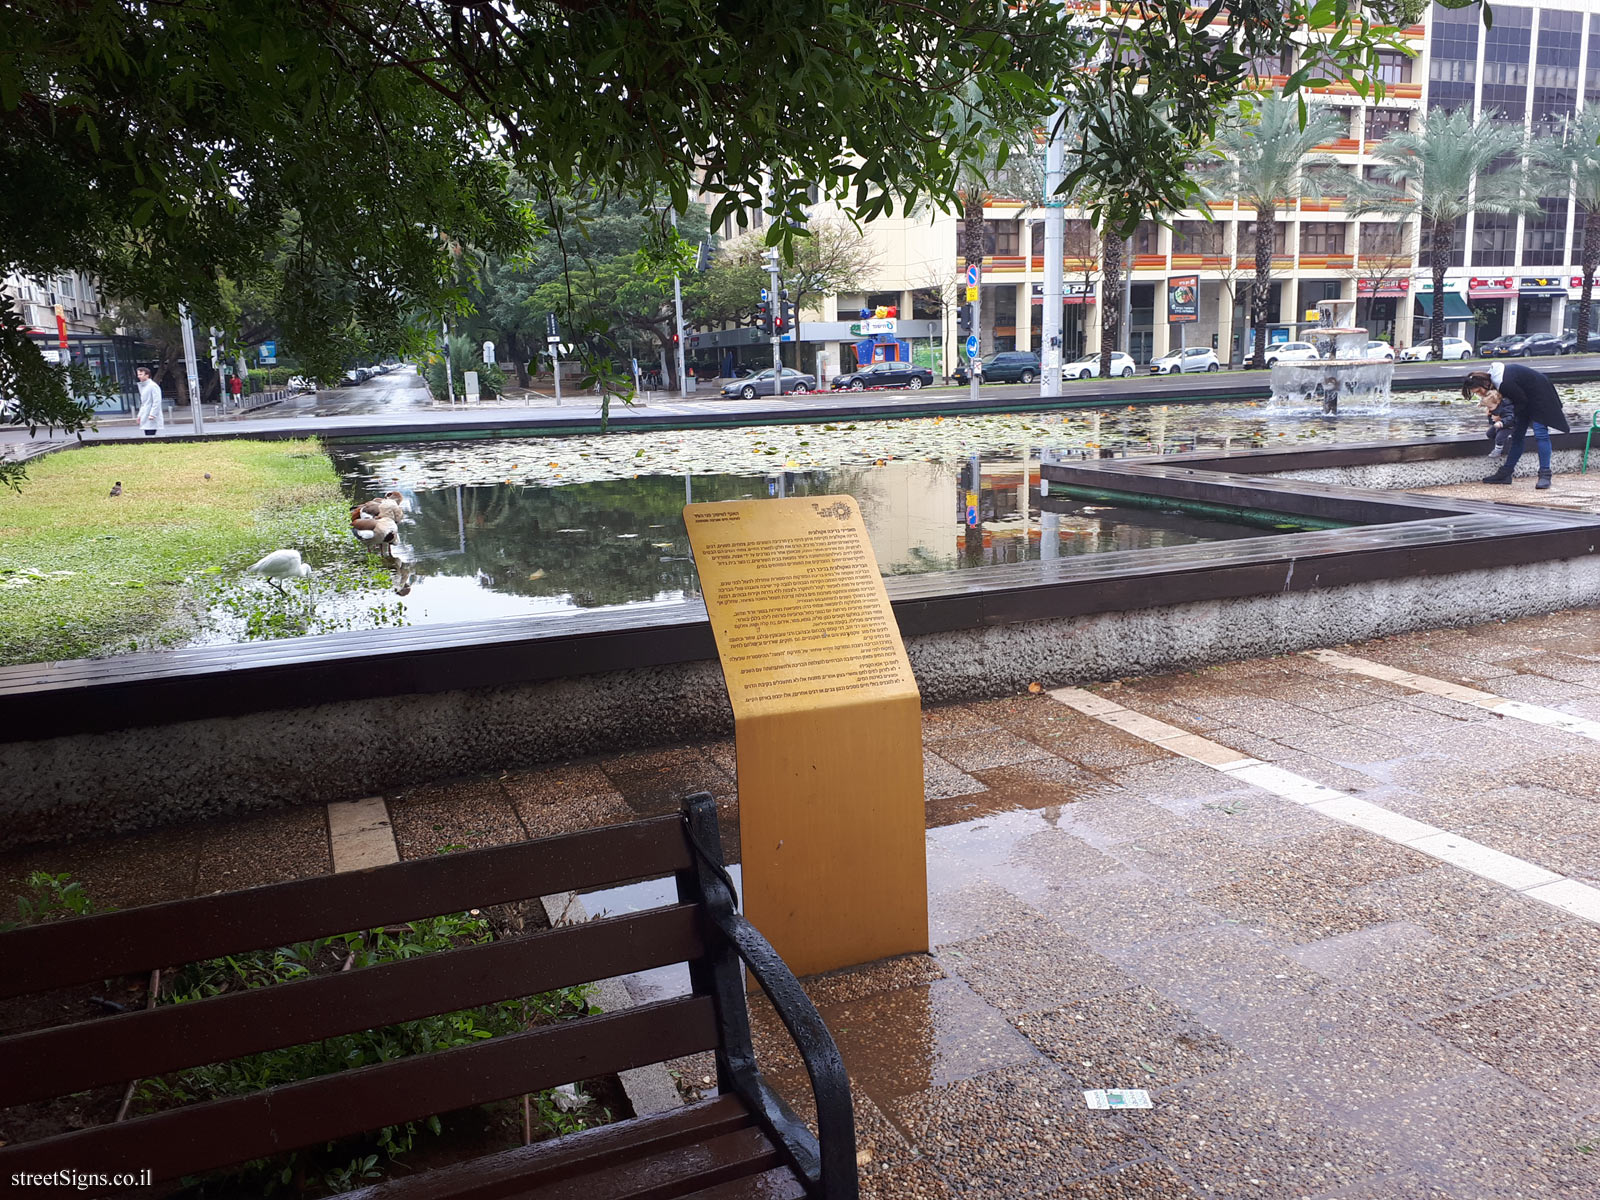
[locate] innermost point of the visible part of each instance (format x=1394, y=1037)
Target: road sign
x=268, y=352
x=972, y=293
x=972, y=346
x=550, y=327
x=972, y=275
x=488, y=353
x=765, y=295
x=553, y=339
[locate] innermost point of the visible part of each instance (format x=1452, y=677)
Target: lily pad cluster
x=763, y=449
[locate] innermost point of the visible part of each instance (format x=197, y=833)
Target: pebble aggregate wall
x=82, y=785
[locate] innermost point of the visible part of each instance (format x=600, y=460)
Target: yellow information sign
x=827, y=721
x=972, y=293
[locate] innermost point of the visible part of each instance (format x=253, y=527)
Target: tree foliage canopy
x=353, y=145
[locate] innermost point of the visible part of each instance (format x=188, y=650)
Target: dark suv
x=1013, y=366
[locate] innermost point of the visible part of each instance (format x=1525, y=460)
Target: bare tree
x=831, y=257
x=1385, y=254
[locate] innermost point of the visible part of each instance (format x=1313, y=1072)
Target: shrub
x=465, y=355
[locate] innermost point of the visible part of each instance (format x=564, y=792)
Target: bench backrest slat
x=72, y=1058
x=224, y=1132
x=60, y=954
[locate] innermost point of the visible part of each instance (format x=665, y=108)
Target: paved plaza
x=1163, y=883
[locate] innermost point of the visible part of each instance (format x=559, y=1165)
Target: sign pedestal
x=827, y=721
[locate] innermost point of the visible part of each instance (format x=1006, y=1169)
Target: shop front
x=1494, y=306
x=1379, y=304
x=1541, y=304
x=1458, y=318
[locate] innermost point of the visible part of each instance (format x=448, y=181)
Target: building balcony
x=1326, y=204
x=1201, y=262
x=1149, y=262
x=1386, y=262
x=1327, y=262
x=1344, y=145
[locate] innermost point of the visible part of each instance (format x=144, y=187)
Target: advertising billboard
x=1183, y=297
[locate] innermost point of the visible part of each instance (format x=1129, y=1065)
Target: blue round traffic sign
x=972, y=345
x=972, y=518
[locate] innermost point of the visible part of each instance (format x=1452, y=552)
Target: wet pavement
x=1318, y=1007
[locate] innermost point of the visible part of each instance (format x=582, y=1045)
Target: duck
x=281, y=564
x=375, y=531
x=392, y=506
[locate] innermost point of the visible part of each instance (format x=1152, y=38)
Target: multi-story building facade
x=112, y=356
x=1510, y=274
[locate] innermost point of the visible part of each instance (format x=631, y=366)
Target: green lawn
x=83, y=573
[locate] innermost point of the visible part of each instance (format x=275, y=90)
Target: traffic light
x=963, y=319
x=764, y=317
x=790, y=317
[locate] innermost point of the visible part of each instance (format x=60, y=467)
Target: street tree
x=1263, y=160
x=1571, y=160
x=1450, y=166
x=160, y=147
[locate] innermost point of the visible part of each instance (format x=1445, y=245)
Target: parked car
x=351, y=378
x=1011, y=366
x=1193, y=358
x=1536, y=344
x=1454, y=347
x=1291, y=352
x=1507, y=345
x=1380, y=350
x=763, y=383
x=1088, y=367
x=884, y=374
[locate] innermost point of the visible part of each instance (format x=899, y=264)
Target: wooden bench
x=744, y=1142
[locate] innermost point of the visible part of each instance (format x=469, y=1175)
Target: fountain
x=1343, y=371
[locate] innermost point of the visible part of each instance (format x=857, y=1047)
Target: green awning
x=1455, y=308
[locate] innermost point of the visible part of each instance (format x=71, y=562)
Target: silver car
x=761, y=384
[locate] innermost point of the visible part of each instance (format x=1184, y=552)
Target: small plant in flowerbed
x=341, y=1166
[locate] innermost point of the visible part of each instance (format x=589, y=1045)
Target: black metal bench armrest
x=832, y=1174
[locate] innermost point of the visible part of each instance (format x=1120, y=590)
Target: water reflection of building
x=906, y=507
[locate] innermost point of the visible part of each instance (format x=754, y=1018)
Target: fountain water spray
x=1343, y=372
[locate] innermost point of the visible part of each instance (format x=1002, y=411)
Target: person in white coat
x=150, y=416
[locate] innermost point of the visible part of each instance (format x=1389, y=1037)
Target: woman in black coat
x=1536, y=406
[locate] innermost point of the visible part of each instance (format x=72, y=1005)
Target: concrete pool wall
x=114, y=745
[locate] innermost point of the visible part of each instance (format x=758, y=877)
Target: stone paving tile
x=1574, y=773
x=1134, y=1038
x=1228, y=976
x=930, y=1035
x=557, y=783
x=1250, y=816
x=1576, y=855
x=1136, y=1181
x=274, y=847
x=1044, y=782
x=1060, y=856
x=1350, y=745
x=1116, y=815
x=655, y=782
x=1566, y=957
x=1007, y=1132
x=1401, y=718
x=118, y=872
x=565, y=799
x=1192, y=858
x=473, y=813
x=991, y=748
x=1112, y=911
x=1290, y=905
x=1031, y=965
x=941, y=780
x=887, y=1164
x=1350, y=857
x=723, y=755
x=953, y=720
x=1484, y=1135
x=1235, y=1138
x=1419, y=974
x=1327, y=697
x=1544, y=1038
x=885, y=975
x=1174, y=778
x=971, y=909
x=1536, y=689
x=1461, y=908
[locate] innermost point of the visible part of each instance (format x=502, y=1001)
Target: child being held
x=1500, y=416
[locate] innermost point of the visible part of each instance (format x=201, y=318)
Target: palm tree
x=1572, y=160
x=1019, y=177
x=1261, y=164
x=1441, y=172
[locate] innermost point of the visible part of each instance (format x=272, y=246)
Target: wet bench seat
x=745, y=1142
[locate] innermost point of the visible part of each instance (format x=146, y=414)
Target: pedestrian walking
x=236, y=390
x=151, y=418
x=1535, y=407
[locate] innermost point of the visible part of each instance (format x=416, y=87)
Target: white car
x=1088, y=367
x=1454, y=347
x=1379, y=350
x=1194, y=358
x=1292, y=352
